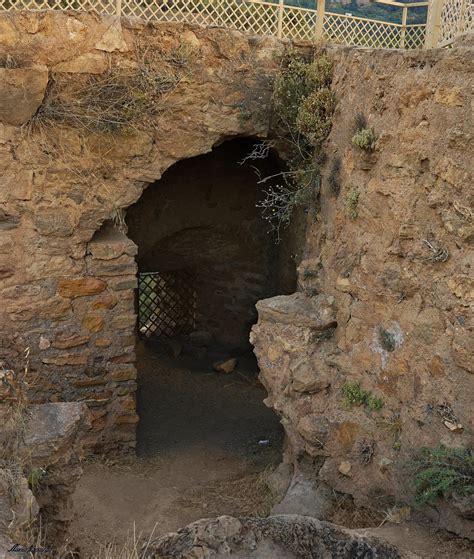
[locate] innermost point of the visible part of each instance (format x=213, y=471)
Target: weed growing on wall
x=365, y=139
x=354, y=394
x=443, y=472
x=303, y=104
x=352, y=202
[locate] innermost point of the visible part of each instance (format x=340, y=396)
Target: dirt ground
x=198, y=454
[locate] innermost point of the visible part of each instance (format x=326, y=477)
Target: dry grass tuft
x=115, y=102
x=347, y=514
x=135, y=547
x=247, y=495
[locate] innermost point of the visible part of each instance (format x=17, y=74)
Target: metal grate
x=166, y=304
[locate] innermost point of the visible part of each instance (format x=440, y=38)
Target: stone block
x=314, y=429
x=93, y=322
x=121, y=374
x=123, y=322
x=128, y=419
x=66, y=358
x=107, y=301
x=66, y=342
x=80, y=287
x=16, y=185
x=8, y=221
x=110, y=244
x=123, y=283
x=21, y=93
x=298, y=310
x=121, y=266
x=55, y=223
x=88, y=63
x=307, y=378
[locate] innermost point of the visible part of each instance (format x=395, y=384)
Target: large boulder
x=276, y=537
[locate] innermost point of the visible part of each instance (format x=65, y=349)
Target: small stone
x=123, y=322
x=384, y=464
x=453, y=427
x=226, y=366
x=44, y=343
x=345, y=468
x=307, y=379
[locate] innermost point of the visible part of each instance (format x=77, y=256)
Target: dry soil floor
x=198, y=455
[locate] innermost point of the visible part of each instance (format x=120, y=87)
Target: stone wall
x=67, y=273
x=386, y=282
x=394, y=272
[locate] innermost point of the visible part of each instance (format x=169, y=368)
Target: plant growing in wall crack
x=364, y=136
x=355, y=395
x=352, y=201
x=303, y=104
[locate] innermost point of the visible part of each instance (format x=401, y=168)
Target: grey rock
x=299, y=310
x=276, y=537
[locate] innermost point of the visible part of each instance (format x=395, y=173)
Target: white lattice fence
x=456, y=19
x=446, y=20
x=349, y=30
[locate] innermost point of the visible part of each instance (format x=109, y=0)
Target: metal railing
x=446, y=19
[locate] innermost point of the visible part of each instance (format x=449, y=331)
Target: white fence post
x=318, y=32
x=404, y=27
x=281, y=7
x=118, y=8
x=433, y=24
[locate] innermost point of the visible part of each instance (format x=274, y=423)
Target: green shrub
x=303, y=104
x=314, y=118
x=352, y=201
x=35, y=477
x=354, y=394
x=441, y=472
x=365, y=139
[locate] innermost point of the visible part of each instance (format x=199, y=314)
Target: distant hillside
x=367, y=8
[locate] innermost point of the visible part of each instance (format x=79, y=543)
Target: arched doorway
x=205, y=257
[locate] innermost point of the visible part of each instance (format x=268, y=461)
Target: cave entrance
x=205, y=257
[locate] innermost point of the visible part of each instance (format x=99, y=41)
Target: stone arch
x=234, y=258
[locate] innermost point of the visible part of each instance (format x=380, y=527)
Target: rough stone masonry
x=386, y=286
x=68, y=280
